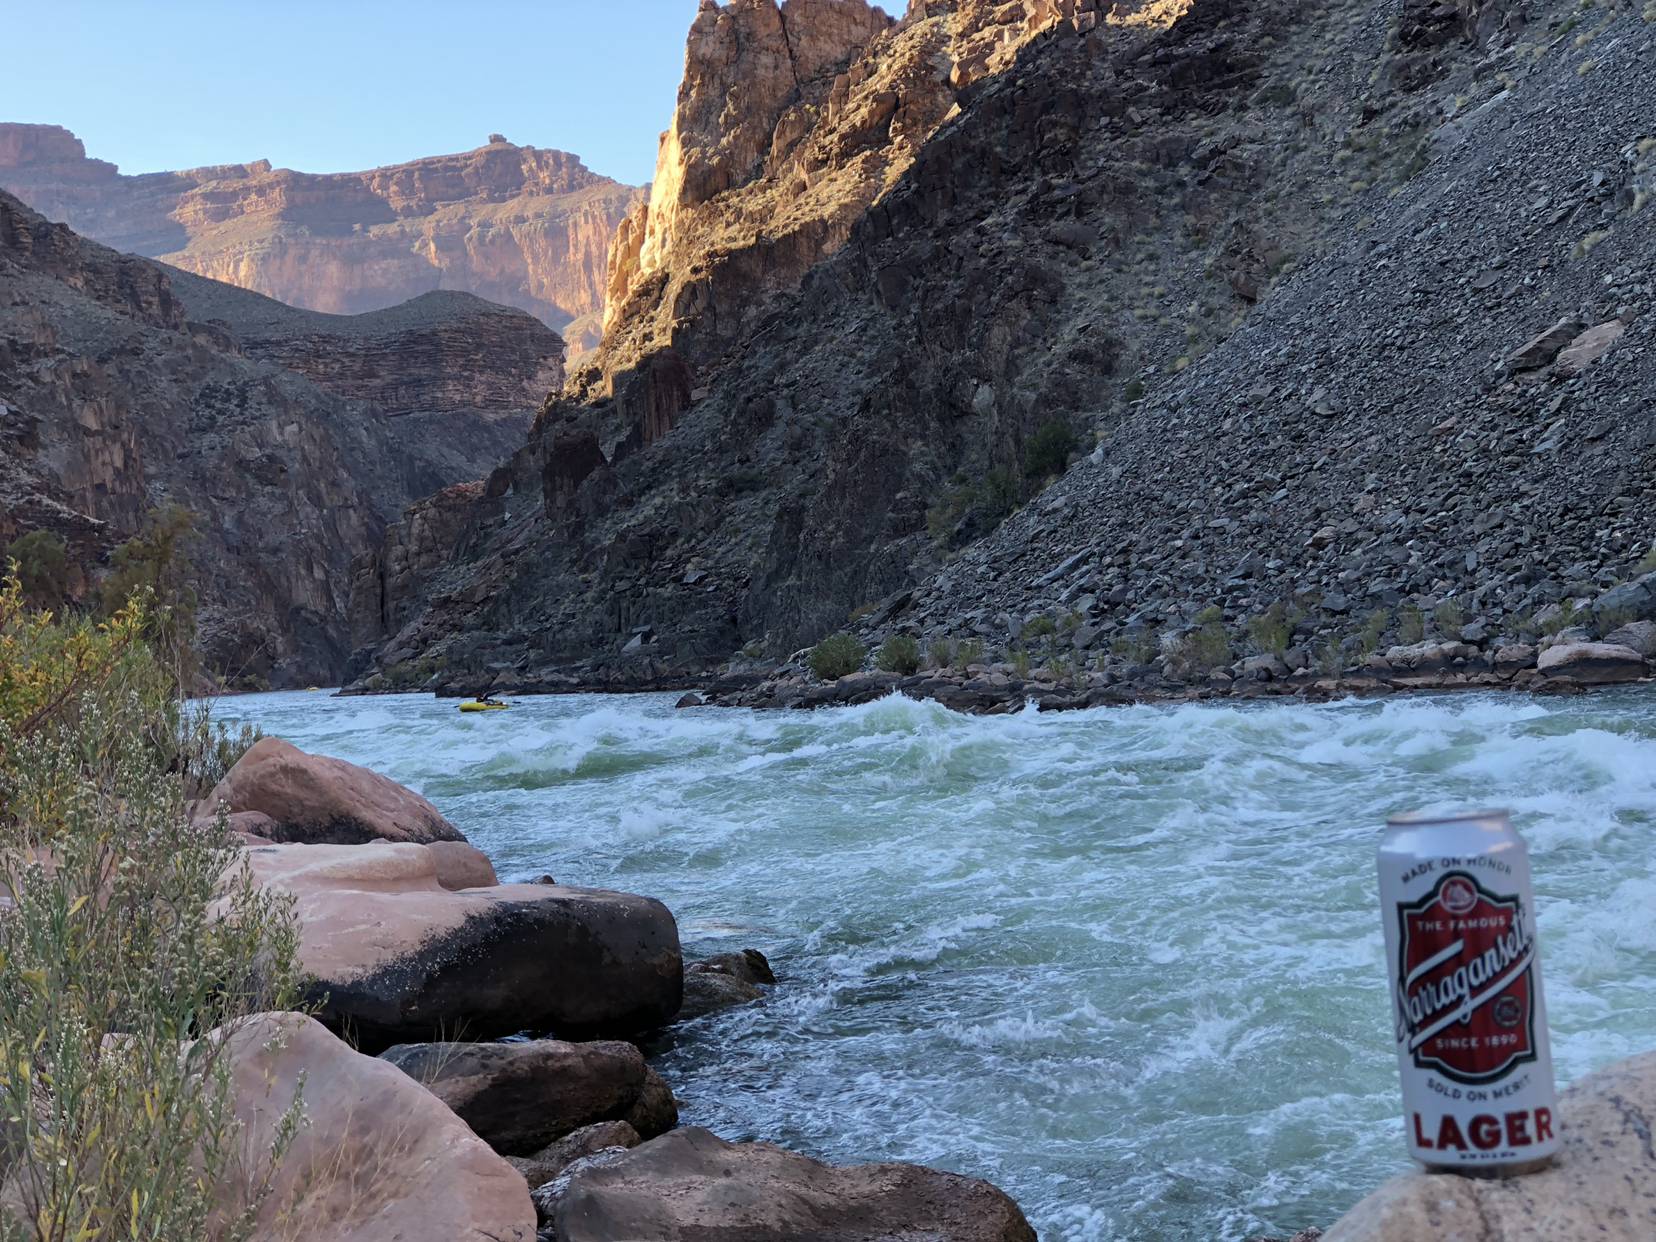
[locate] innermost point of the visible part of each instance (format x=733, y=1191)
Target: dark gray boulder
x=519, y=1096
x=396, y=958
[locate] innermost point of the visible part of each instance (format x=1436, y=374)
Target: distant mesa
x=522, y=226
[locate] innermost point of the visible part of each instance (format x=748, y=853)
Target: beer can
x=1465, y=976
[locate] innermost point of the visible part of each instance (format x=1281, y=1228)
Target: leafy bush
x=1647, y=564
x=1411, y=625
x=1048, y=450
x=1042, y=626
x=1563, y=619
x=899, y=653
x=1449, y=618
x=131, y=932
x=941, y=652
x=1134, y=647
x=970, y=509
x=157, y=561
x=1204, y=648
x=970, y=652
x=835, y=656
x=41, y=561
x=1020, y=663
x=1272, y=631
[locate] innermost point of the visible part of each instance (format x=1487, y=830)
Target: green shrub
x=157, y=560
x=1411, y=625
x=899, y=653
x=835, y=656
x=132, y=931
x=1206, y=647
x=942, y=653
x=41, y=561
x=1449, y=617
x=1373, y=629
x=1020, y=663
x=1273, y=630
x=1048, y=450
x=969, y=652
x=1135, y=648
x=1646, y=564
x=1563, y=619
x=973, y=508
x=1042, y=626
x=1134, y=390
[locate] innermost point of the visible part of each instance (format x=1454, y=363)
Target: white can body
x=1465, y=977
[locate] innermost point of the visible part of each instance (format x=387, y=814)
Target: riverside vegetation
x=130, y=946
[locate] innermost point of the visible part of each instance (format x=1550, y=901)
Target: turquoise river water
x=1125, y=963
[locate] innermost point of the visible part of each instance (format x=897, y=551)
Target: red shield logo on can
x=1465, y=993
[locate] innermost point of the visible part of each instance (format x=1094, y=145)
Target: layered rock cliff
x=1076, y=257
x=791, y=120
x=520, y=226
x=114, y=399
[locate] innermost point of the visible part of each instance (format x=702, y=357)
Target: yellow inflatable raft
x=472, y=705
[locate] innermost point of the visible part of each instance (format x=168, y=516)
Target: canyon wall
x=516, y=225
x=124, y=386
x=791, y=121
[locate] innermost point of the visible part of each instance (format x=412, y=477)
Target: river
x=1125, y=963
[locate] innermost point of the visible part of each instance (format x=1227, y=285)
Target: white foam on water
x=1126, y=962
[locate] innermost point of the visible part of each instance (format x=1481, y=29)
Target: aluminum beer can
x=1465, y=978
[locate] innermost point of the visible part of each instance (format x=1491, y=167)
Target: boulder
x=690, y=1186
x=1639, y=635
x=1512, y=657
x=1268, y=666
x=460, y=865
x=559, y=1154
x=1602, y=1184
x=521, y=1095
x=319, y=800
x=1540, y=350
x=723, y=981
x=395, y=957
x=1425, y=663
x=1592, y=664
x=377, y=1157
x=1588, y=348
x=1630, y=601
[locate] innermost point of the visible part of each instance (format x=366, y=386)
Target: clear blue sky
x=348, y=84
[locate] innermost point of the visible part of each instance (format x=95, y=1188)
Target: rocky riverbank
x=1065, y=663
x=416, y=952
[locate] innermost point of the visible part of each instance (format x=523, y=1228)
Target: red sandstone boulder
x=690, y=1186
x=378, y=1158
x=398, y=958
x=520, y=1096
x=319, y=800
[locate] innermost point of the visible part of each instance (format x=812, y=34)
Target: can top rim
x=1410, y=819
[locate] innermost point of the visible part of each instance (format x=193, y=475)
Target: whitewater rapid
x=1125, y=963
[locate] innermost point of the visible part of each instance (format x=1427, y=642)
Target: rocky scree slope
x=1441, y=427
x=521, y=226
x=1102, y=204
x=113, y=401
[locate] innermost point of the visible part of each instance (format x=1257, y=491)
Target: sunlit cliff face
x=1154, y=14
x=792, y=119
